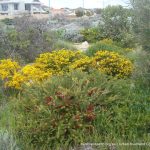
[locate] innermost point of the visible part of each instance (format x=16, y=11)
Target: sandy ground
x=81, y=46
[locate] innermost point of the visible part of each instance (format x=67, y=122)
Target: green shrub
x=116, y=22
x=7, y=21
x=141, y=72
x=91, y=35
x=26, y=45
x=105, y=44
x=61, y=110
x=79, y=12
x=77, y=108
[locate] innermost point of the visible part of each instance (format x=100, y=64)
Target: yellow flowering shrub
x=32, y=73
x=16, y=81
x=83, y=64
x=28, y=75
x=113, y=64
x=58, y=61
x=8, y=68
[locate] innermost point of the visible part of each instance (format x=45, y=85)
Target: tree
x=116, y=23
x=141, y=21
x=79, y=12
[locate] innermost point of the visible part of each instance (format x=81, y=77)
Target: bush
x=105, y=44
x=85, y=64
x=142, y=69
x=62, y=62
x=61, y=111
x=8, y=21
x=79, y=12
x=27, y=39
x=8, y=68
x=113, y=64
x=116, y=22
x=58, y=61
x=14, y=76
x=91, y=34
x=73, y=36
x=75, y=108
x=27, y=44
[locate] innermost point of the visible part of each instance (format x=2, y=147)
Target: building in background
x=17, y=7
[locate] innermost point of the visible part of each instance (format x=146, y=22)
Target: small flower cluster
x=60, y=62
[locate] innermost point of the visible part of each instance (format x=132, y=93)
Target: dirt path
x=82, y=46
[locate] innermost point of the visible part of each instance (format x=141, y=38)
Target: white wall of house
x=34, y=7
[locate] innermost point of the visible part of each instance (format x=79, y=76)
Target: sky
x=79, y=3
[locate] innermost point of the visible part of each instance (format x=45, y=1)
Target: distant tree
x=141, y=22
x=79, y=12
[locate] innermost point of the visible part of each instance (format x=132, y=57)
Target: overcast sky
x=87, y=3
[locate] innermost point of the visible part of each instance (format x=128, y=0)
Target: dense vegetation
x=53, y=96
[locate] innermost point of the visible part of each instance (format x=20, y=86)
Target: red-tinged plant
x=49, y=100
x=92, y=91
x=90, y=108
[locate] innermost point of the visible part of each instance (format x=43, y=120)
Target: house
x=15, y=7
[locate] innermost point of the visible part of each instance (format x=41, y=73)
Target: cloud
x=79, y=3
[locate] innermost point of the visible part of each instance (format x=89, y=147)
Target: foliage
x=98, y=10
x=105, y=44
x=79, y=12
x=89, y=13
x=59, y=61
x=84, y=64
x=73, y=36
x=14, y=76
x=27, y=39
x=62, y=62
x=141, y=21
x=113, y=64
x=116, y=24
x=91, y=34
x=7, y=21
x=26, y=44
x=142, y=69
x=60, y=110
x=8, y=68
x=75, y=108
